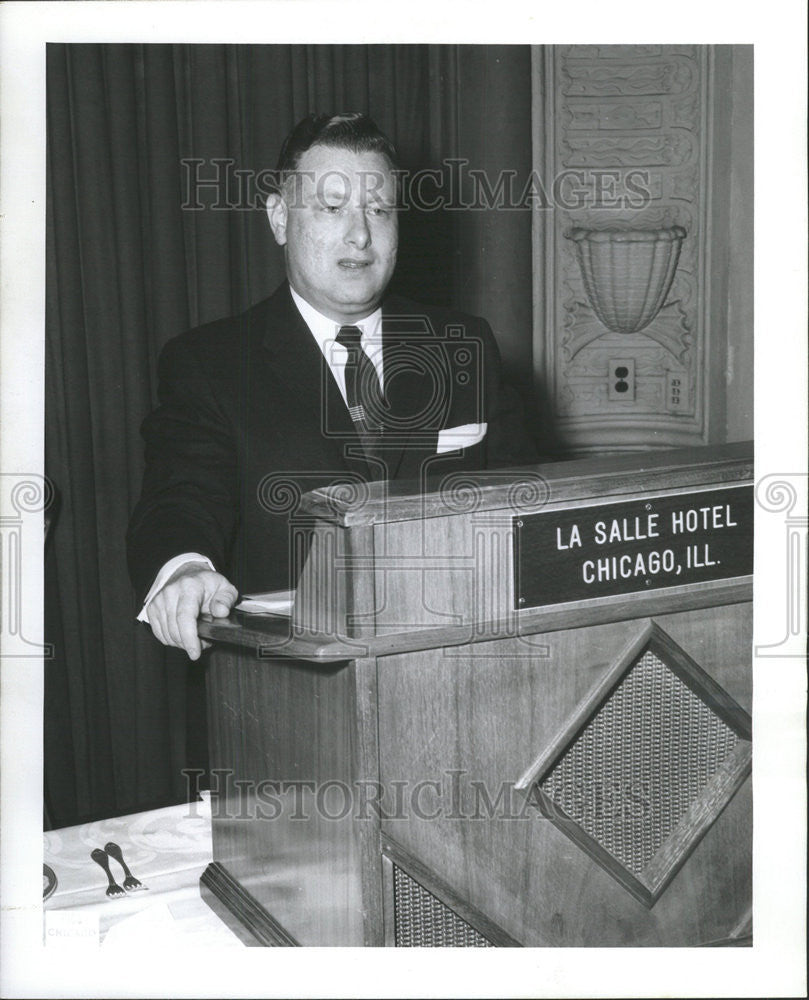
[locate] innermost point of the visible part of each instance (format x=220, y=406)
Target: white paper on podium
x=275, y=602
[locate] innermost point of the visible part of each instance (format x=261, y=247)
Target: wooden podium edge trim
x=605, y=476
x=240, y=911
x=272, y=639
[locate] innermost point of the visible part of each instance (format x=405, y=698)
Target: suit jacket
x=250, y=417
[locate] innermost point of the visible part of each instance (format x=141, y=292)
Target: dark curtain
x=147, y=146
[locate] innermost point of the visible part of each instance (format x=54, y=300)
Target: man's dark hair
x=349, y=130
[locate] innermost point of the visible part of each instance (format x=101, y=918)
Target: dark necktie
x=363, y=392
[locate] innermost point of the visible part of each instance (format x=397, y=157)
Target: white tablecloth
x=166, y=849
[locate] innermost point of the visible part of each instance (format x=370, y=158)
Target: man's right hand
x=173, y=612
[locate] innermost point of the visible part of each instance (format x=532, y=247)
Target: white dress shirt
x=325, y=331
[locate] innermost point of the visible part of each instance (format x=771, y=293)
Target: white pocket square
x=463, y=436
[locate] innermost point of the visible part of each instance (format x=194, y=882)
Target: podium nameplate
x=602, y=550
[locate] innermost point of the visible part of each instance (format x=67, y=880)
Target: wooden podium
x=511, y=710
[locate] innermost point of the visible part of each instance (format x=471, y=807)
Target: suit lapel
x=293, y=351
x=414, y=386
x=309, y=385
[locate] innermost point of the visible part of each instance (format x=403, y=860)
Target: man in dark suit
x=328, y=379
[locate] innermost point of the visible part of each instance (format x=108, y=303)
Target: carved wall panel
x=626, y=134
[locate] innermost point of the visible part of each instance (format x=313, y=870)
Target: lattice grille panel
x=640, y=762
x=423, y=921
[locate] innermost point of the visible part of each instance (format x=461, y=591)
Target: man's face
x=337, y=223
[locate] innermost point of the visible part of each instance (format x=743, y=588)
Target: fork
x=100, y=858
x=130, y=882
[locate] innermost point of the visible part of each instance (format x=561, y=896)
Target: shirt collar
x=324, y=330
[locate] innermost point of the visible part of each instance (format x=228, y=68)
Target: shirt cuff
x=165, y=573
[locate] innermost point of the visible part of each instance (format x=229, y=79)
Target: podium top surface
x=531, y=487
x=541, y=573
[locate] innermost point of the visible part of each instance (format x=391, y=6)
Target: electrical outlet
x=621, y=379
x=676, y=392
